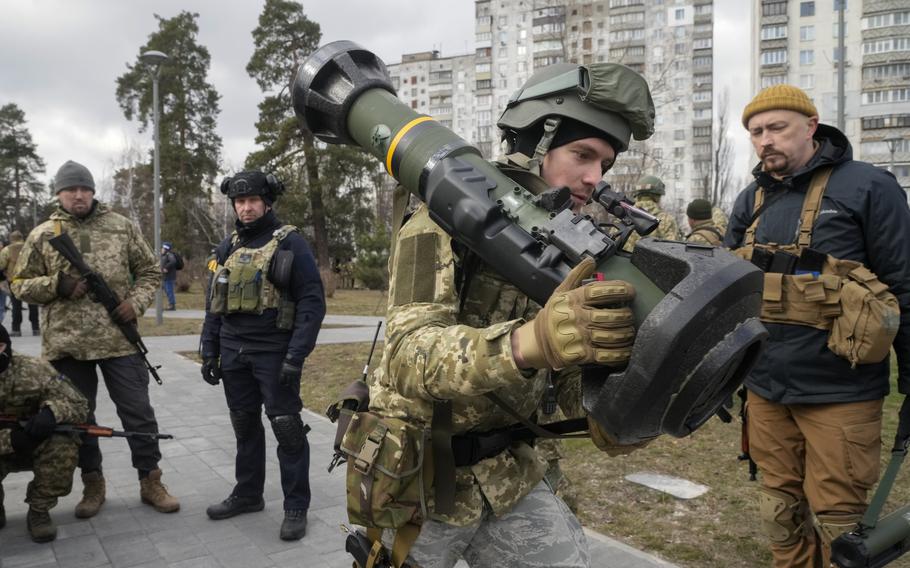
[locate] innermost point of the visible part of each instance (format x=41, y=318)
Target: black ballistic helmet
x=252, y=182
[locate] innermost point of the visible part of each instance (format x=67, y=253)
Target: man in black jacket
x=815, y=417
x=262, y=318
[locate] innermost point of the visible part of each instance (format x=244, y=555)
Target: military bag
x=388, y=471
x=843, y=296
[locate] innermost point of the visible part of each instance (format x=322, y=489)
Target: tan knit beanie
x=779, y=97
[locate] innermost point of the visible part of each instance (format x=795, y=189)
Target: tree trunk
x=317, y=210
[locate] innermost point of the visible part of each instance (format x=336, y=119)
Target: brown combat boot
x=154, y=493
x=92, y=495
x=41, y=526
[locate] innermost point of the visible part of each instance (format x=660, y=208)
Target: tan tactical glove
x=578, y=325
x=605, y=442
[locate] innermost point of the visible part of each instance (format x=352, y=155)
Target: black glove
x=41, y=426
x=290, y=374
x=70, y=286
x=903, y=424
x=22, y=443
x=211, y=370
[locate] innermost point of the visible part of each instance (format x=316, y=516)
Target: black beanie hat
x=699, y=210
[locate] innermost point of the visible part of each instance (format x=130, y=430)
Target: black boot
x=235, y=505
x=294, y=525
x=2, y=510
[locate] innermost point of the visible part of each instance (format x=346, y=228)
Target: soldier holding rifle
x=81, y=335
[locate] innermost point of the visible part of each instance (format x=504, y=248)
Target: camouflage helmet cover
x=610, y=97
x=649, y=184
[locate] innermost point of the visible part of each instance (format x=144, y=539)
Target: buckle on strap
x=369, y=450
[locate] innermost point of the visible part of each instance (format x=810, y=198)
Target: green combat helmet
x=649, y=184
x=612, y=99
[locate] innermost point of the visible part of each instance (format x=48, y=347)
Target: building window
x=885, y=45
x=679, y=134
x=769, y=80
x=679, y=14
x=840, y=3
x=707, y=43
x=806, y=33
x=836, y=54
x=835, y=29
x=886, y=96
x=887, y=121
x=806, y=9
x=773, y=57
x=806, y=81
x=886, y=71
x=775, y=31
x=886, y=20
x=807, y=57
x=774, y=9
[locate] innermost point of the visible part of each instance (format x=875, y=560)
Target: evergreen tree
x=283, y=39
x=21, y=193
x=190, y=147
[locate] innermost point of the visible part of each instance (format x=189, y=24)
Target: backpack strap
x=808, y=215
x=812, y=205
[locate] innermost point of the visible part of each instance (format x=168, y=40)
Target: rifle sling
x=870, y=518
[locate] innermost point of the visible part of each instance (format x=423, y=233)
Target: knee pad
x=290, y=431
x=832, y=525
x=245, y=424
x=783, y=517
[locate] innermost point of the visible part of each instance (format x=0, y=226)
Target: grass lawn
x=344, y=302
x=169, y=326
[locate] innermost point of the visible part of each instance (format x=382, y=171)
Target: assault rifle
x=100, y=292
x=88, y=430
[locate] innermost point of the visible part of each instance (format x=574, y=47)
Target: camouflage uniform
x=442, y=346
x=705, y=233
x=26, y=386
x=668, y=229
x=720, y=219
x=113, y=246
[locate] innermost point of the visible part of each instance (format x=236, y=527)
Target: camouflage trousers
x=539, y=531
x=53, y=464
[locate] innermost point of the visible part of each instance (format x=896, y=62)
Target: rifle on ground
x=102, y=293
x=89, y=430
x=744, y=437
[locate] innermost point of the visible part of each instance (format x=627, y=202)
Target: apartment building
x=669, y=41
x=796, y=42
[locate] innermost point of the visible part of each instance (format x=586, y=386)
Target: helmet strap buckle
x=543, y=146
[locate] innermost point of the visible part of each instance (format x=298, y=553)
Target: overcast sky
x=60, y=60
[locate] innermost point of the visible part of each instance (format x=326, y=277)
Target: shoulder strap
x=756, y=213
x=571, y=428
x=808, y=215
x=812, y=205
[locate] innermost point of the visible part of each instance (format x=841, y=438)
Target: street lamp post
x=892, y=142
x=155, y=59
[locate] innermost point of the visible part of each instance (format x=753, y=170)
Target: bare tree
x=724, y=157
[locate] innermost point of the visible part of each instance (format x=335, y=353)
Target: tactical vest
x=844, y=297
x=242, y=284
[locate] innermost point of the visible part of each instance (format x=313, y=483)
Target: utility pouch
x=245, y=288
x=218, y=300
x=286, y=312
x=869, y=320
x=782, y=263
x=386, y=478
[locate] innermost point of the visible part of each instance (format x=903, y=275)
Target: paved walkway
x=198, y=469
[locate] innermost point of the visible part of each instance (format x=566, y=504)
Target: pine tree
x=190, y=146
x=20, y=166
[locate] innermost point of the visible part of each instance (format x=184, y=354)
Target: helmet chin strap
x=550, y=126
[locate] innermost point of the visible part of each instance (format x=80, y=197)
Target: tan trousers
x=825, y=454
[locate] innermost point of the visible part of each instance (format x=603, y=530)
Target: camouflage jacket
x=705, y=233
x=111, y=245
x=29, y=384
x=6, y=256
x=720, y=220
x=448, y=337
x=668, y=229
